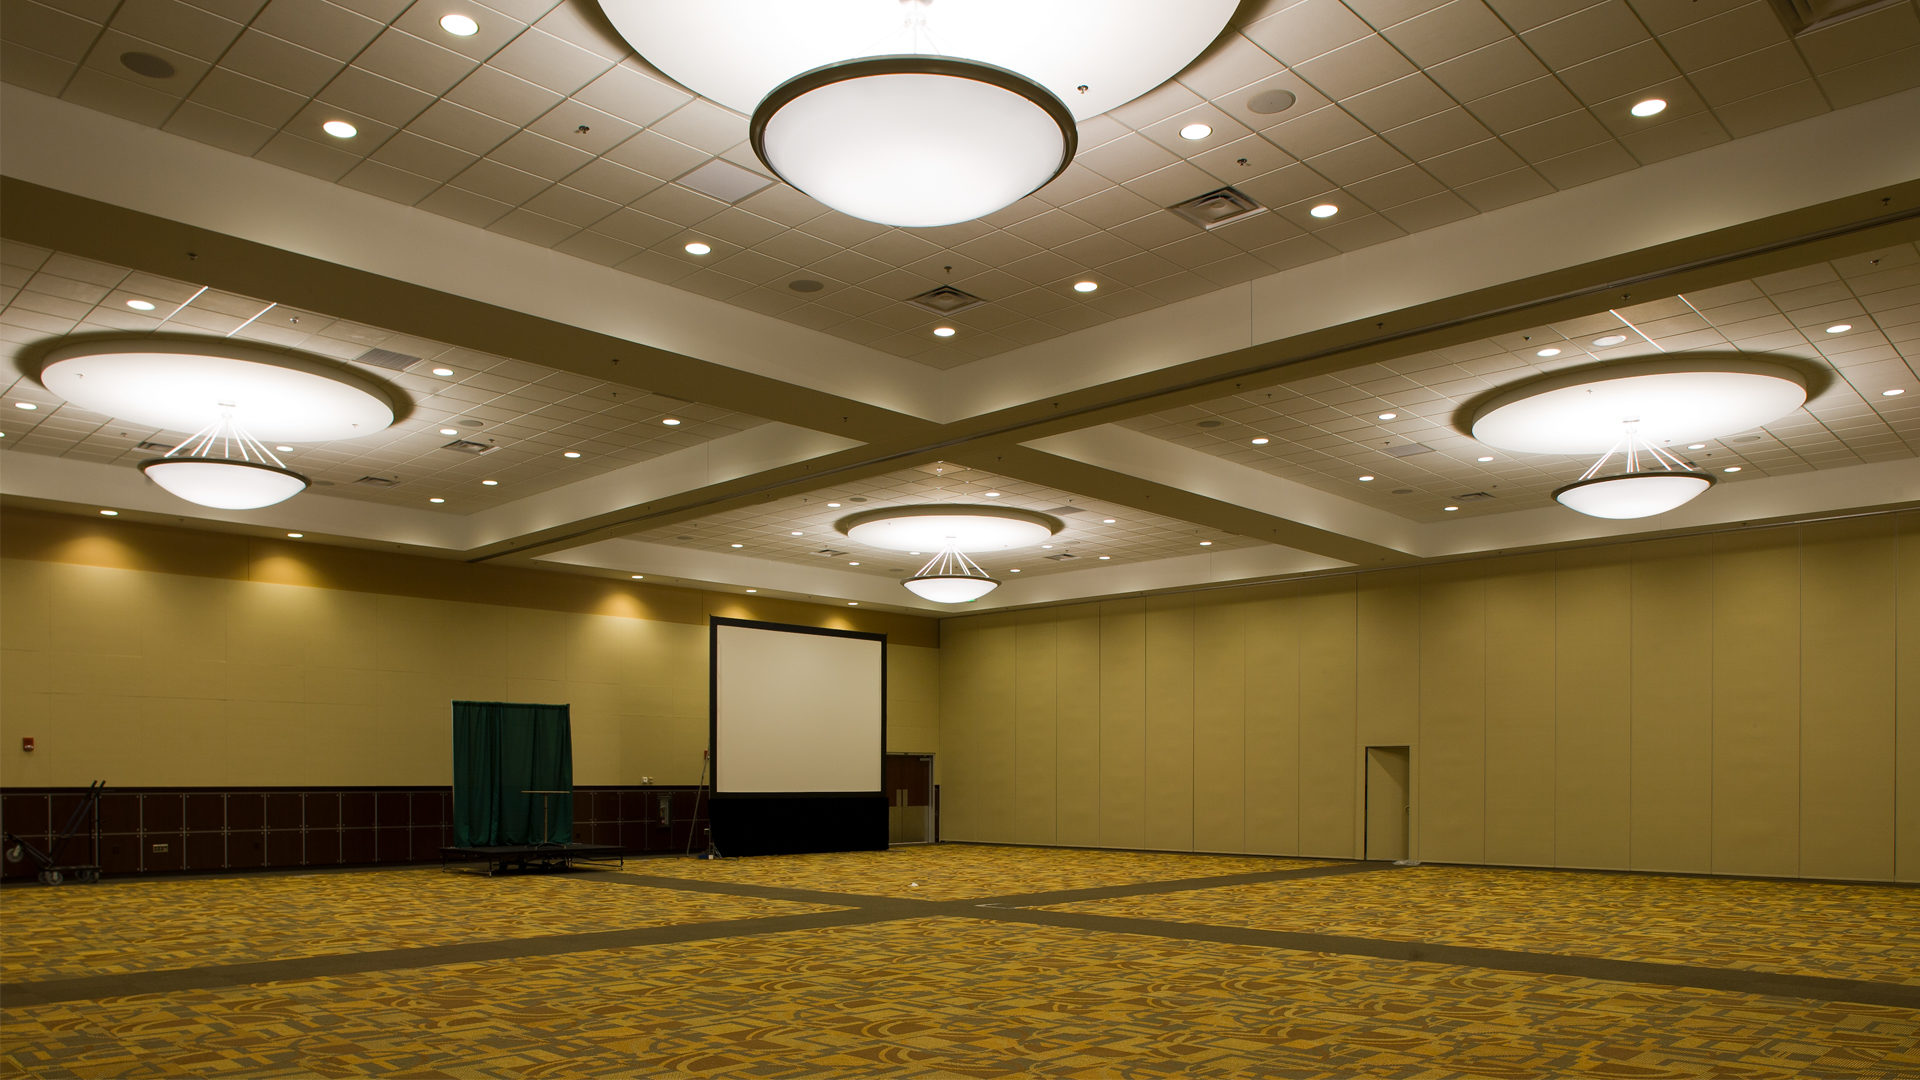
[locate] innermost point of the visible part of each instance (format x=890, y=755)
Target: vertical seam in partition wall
x=1054, y=780
x=1554, y=699
x=1800, y=697
x=1633, y=558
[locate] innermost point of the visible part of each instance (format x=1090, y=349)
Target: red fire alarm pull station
x=26, y=743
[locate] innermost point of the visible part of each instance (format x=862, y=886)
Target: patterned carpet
x=944, y=988
x=1801, y=927
x=964, y=871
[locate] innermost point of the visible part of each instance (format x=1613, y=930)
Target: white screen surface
x=796, y=712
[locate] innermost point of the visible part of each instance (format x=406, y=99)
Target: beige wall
x=1740, y=704
x=151, y=656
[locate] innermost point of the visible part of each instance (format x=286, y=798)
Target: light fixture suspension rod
x=227, y=433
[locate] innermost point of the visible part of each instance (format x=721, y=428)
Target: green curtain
x=501, y=749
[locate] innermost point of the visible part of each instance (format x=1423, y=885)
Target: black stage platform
x=523, y=857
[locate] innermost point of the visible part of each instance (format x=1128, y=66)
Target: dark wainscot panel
x=206, y=830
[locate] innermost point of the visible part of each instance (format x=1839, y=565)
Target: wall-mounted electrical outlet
x=160, y=849
x=666, y=810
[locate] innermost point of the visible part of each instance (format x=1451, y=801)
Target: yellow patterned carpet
x=158, y=924
x=1801, y=927
x=965, y=871
x=948, y=988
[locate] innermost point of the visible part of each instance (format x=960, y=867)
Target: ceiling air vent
x=1408, y=449
x=377, y=481
x=945, y=300
x=387, y=358
x=1217, y=208
x=829, y=553
x=1800, y=16
x=154, y=447
x=468, y=446
x=1472, y=496
x=1062, y=557
x=1063, y=511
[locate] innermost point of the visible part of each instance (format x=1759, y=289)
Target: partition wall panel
x=1739, y=703
x=1076, y=762
x=1518, y=602
x=1672, y=733
x=1592, y=707
x=1756, y=705
x=1450, y=727
x=1036, y=681
x=1846, y=700
x=1271, y=646
x=1219, y=726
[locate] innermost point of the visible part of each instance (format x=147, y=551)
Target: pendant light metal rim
x=996, y=582
x=912, y=64
x=1644, y=473
x=1006, y=513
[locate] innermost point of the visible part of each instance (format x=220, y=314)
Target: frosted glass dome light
x=1632, y=495
x=225, y=483
x=951, y=578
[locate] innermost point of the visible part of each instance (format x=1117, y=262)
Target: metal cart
x=85, y=816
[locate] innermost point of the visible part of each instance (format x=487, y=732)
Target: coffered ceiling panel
x=1856, y=320
x=544, y=127
x=800, y=529
x=524, y=419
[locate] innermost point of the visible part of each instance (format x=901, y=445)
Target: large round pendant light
x=231, y=397
x=914, y=141
x=919, y=112
x=1635, y=410
x=952, y=529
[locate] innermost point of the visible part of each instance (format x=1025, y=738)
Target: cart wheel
x=49, y=877
x=87, y=877
x=14, y=853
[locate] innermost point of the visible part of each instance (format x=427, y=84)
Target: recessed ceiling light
x=1731, y=468
x=1366, y=479
x=449, y=431
x=1106, y=521
x=459, y=25
x=1195, y=132
x=737, y=545
x=1697, y=446
x=853, y=603
x=1046, y=547
x=834, y=506
x=1015, y=570
x=1548, y=352
x=110, y=513
x=1839, y=328
x=295, y=536
x=443, y=372
x=796, y=532
x=339, y=129
x=491, y=483
x=1262, y=441
x=571, y=454
x=1104, y=558
x=1895, y=392
x=943, y=331
x=1085, y=286
x=1389, y=415
x=993, y=494
x=698, y=248
x=1610, y=340
x=671, y=422
x=27, y=405
x=284, y=449
x=1206, y=543
x=643, y=577
x=1484, y=457
x=140, y=305
x=853, y=564
x=753, y=590
x=436, y=499
x=1449, y=508
x=1652, y=106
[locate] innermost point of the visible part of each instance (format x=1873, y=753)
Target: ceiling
x=515, y=207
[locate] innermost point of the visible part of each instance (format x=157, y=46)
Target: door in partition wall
x=909, y=798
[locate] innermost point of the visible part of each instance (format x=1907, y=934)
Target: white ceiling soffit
x=1829, y=156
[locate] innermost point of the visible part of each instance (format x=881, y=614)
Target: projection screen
x=797, y=710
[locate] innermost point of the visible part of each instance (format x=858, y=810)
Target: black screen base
x=796, y=824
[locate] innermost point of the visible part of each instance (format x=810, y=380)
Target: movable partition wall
x=799, y=722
